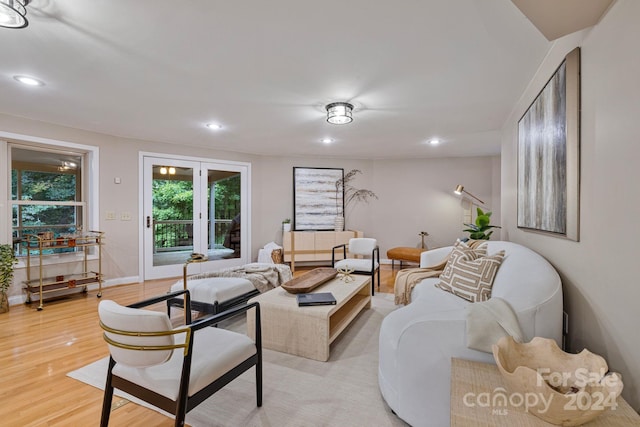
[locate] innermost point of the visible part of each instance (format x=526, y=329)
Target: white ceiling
x=556, y=18
x=159, y=70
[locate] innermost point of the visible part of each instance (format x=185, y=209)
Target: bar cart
x=56, y=285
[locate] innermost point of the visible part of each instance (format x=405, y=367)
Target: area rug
x=297, y=391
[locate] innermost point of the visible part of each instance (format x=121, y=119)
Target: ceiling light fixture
x=167, y=170
x=339, y=113
x=29, y=81
x=434, y=141
x=214, y=126
x=326, y=140
x=460, y=189
x=164, y=170
x=67, y=166
x=13, y=13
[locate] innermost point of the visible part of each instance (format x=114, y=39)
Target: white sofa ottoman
x=212, y=295
x=418, y=341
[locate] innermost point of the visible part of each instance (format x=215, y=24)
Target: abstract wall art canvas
x=548, y=155
x=316, y=201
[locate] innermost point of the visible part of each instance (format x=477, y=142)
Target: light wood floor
x=38, y=349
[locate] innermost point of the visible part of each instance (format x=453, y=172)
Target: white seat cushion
x=362, y=245
x=357, y=264
x=215, y=352
x=214, y=289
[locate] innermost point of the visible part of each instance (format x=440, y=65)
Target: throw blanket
x=489, y=321
x=408, y=278
x=263, y=276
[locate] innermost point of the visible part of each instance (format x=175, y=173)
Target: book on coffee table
x=319, y=298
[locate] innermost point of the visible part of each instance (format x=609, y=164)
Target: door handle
x=148, y=222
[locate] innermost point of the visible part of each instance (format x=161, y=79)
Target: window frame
x=89, y=175
x=22, y=168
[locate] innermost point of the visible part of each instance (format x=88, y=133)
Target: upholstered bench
x=404, y=254
x=213, y=295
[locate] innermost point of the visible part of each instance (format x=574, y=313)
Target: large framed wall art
x=549, y=155
x=316, y=198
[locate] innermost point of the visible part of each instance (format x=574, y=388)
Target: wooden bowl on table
x=560, y=388
x=309, y=281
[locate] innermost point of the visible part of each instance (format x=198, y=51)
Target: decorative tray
x=310, y=280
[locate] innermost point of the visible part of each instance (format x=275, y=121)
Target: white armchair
x=174, y=369
x=418, y=341
x=360, y=246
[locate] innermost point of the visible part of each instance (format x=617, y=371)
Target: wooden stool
x=404, y=254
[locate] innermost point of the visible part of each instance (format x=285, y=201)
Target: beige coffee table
x=309, y=331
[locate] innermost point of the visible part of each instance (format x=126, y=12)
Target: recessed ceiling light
x=214, y=126
x=29, y=81
x=326, y=140
x=434, y=141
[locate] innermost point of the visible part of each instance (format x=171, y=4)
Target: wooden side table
x=302, y=246
x=474, y=384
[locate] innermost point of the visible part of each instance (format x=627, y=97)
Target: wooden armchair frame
x=184, y=403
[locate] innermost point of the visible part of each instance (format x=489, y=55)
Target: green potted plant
x=478, y=231
x=7, y=261
x=286, y=224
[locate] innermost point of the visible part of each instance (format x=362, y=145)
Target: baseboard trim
x=20, y=299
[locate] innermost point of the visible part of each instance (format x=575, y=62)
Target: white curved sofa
x=418, y=341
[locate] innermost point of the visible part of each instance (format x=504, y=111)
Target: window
x=46, y=194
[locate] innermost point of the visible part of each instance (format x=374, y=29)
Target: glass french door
x=194, y=207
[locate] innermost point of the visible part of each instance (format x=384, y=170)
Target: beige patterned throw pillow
x=471, y=252
x=469, y=276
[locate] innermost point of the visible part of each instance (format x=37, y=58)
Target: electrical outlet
x=110, y=215
x=565, y=323
x=125, y=216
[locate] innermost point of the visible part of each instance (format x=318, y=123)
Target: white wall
x=417, y=195
x=414, y=195
x=601, y=285
x=273, y=193
x=118, y=158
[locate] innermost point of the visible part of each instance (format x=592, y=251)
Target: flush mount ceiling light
x=434, y=141
x=13, y=13
x=339, y=113
x=26, y=80
x=326, y=140
x=214, y=126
